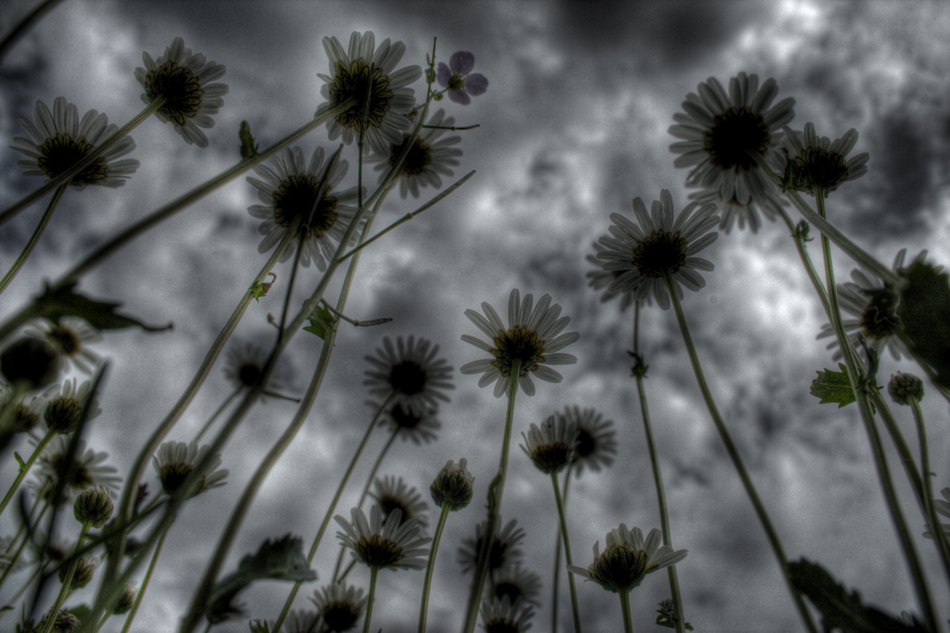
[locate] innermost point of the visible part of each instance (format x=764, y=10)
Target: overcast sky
x=572, y=128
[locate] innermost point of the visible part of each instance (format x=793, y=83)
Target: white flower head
x=412, y=371
x=69, y=338
x=504, y=550
x=421, y=427
x=65, y=404
x=501, y=615
x=531, y=338
x=59, y=140
x=551, y=445
x=768, y=203
x=428, y=159
x=184, y=80
x=596, y=446
x=175, y=461
x=340, y=606
x=84, y=471
x=394, y=545
x=299, y=197
x=645, y=252
x=516, y=582
x=817, y=162
x=627, y=559
x=724, y=133
x=366, y=73
x=394, y=493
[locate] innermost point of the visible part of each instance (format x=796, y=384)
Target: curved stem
x=495, y=490
x=19, y=550
x=25, y=469
x=625, y=607
x=219, y=411
x=657, y=476
x=430, y=567
x=736, y=459
x=936, y=530
x=567, y=552
x=145, y=581
x=67, y=582
x=369, y=599
x=329, y=514
x=359, y=504
x=34, y=238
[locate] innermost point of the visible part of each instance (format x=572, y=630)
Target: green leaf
x=840, y=609
x=924, y=312
x=833, y=386
x=19, y=460
x=277, y=560
x=248, y=145
x=82, y=612
x=261, y=289
x=56, y=304
x=321, y=321
x=259, y=626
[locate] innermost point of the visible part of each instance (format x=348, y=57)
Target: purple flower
x=456, y=78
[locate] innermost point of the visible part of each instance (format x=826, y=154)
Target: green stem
x=369, y=599
x=430, y=567
x=555, y=583
x=567, y=552
x=34, y=238
x=19, y=550
x=936, y=530
x=903, y=450
x=100, y=149
x=657, y=476
x=64, y=590
x=329, y=514
x=359, y=504
x=145, y=581
x=25, y=469
x=625, y=607
x=736, y=458
x=495, y=491
x=219, y=411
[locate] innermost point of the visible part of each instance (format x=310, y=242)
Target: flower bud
x=65, y=622
x=452, y=487
x=93, y=505
x=905, y=388
x=83, y=574
x=125, y=601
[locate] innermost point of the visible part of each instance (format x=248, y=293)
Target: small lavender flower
x=457, y=79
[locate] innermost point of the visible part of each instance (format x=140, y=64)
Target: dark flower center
x=59, y=153
x=407, y=378
x=550, y=458
x=405, y=418
x=736, y=133
x=367, y=84
x=174, y=475
x=496, y=558
x=179, y=86
x=298, y=197
x=62, y=414
x=879, y=319
x=388, y=504
x=501, y=626
x=518, y=343
x=76, y=473
x=378, y=552
x=659, y=253
x=457, y=82
x=249, y=374
x=340, y=616
x=619, y=568
x=24, y=420
x=820, y=168
x=509, y=589
x=67, y=341
x=585, y=444
x=417, y=160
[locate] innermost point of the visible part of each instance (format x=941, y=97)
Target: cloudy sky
x=572, y=128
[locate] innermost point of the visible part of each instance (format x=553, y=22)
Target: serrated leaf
x=321, y=320
x=840, y=609
x=924, y=312
x=56, y=304
x=248, y=145
x=833, y=386
x=275, y=560
x=82, y=612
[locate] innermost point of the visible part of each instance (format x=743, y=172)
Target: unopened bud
x=452, y=487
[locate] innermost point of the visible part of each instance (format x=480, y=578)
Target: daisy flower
x=85, y=470
x=340, y=606
x=26, y=417
x=366, y=73
x=452, y=487
x=600, y=278
x=551, y=446
x=174, y=461
x=596, y=446
x=428, y=157
x=457, y=79
x=410, y=370
x=69, y=338
x=500, y=615
x=421, y=427
x=516, y=583
x=394, y=545
x=731, y=210
x=245, y=364
x=628, y=559
x=392, y=494
x=942, y=506
x=297, y=198
x=301, y=622
x=185, y=82
x=530, y=338
x=65, y=405
x=724, y=132
x=818, y=162
x=60, y=139
x=874, y=305
x=504, y=547
x=659, y=246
